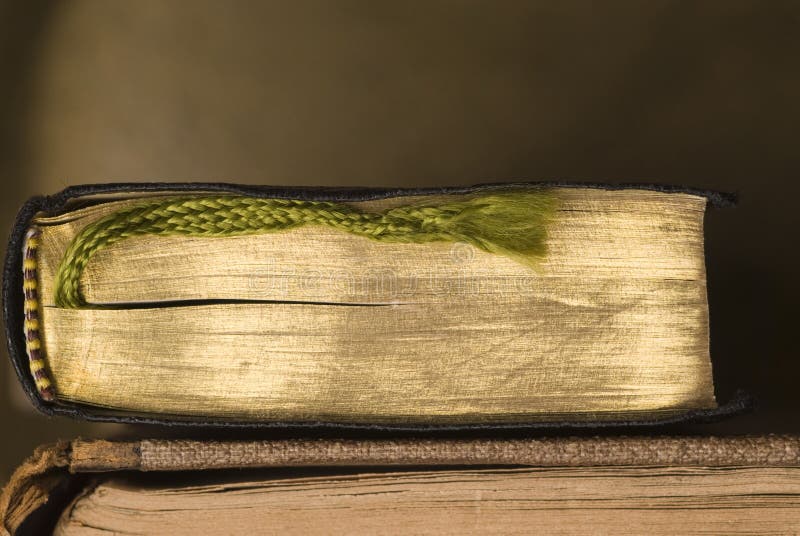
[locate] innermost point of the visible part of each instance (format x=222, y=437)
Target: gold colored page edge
x=38, y=359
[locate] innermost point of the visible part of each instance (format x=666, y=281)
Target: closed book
x=502, y=306
x=590, y=485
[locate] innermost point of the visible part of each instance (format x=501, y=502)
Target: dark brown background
x=703, y=94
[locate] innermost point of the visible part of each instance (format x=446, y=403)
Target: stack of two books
x=391, y=361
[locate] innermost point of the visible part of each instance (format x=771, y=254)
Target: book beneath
x=507, y=305
x=589, y=485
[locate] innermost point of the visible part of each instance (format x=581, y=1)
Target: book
x=504, y=305
x=590, y=485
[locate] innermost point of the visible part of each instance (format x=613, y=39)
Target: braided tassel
x=510, y=223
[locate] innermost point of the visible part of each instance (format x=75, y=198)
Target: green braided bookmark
x=511, y=223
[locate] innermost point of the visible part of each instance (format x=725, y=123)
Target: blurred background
x=409, y=93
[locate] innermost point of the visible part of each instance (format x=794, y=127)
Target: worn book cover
x=599, y=485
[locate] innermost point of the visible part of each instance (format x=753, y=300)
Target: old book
x=623, y=485
x=496, y=305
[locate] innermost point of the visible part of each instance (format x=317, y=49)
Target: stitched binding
x=33, y=340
